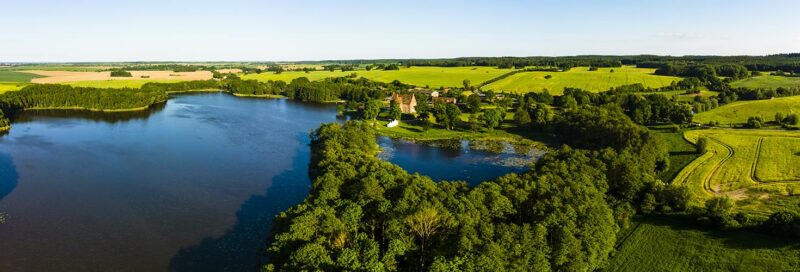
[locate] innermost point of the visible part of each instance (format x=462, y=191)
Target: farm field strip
x=738, y=112
x=580, y=77
x=743, y=164
x=70, y=76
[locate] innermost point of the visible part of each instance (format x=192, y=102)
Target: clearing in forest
x=580, y=77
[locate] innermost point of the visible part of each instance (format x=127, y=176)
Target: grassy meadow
x=768, y=82
x=748, y=165
x=417, y=75
x=738, y=112
x=674, y=243
x=580, y=77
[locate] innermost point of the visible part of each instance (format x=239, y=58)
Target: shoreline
x=275, y=96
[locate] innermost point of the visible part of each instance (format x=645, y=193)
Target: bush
x=754, y=122
x=783, y=223
x=702, y=145
x=120, y=73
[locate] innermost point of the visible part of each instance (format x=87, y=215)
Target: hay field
x=72, y=76
x=767, y=82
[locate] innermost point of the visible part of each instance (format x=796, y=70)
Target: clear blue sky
x=237, y=30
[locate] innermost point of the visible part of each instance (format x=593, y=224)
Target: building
x=407, y=102
x=446, y=100
x=430, y=93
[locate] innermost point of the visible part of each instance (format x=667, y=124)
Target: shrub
x=754, y=122
x=783, y=223
x=120, y=73
x=702, y=145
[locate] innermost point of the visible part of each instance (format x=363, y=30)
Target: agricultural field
x=11, y=86
x=116, y=84
x=70, y=76
x=57, y=67
x=418, y=75
x=750, y=166
x=768, y=82
x=674, y=243
x=14, y=76
x=580, y=77
x=738, y=112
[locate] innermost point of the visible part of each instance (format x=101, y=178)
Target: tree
x=522, y=117
x=425, y=223
x=754, y=122
x=447, y=114
x=779, y=118
x=491, y=118
x=702, y=145
x=466, y=84
x=394, y=110
x=719, y=206
x=790, y=119
x=548, y=77
x=474, y=103
x=541, y=115
x=371, y=109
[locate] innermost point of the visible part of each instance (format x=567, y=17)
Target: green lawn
x=738, y=112
x=418, y=75
x=674, y=243
x=768, y=82
x=13, y=76
x=580, y=77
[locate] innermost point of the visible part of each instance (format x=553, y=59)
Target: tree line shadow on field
x=737, y=239
x=242, y=247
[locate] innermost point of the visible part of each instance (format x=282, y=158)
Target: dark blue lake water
x=191, y=185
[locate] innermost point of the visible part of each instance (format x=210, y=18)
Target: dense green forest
x=364, y=214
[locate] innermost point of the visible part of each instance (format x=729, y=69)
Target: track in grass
x=750, y=165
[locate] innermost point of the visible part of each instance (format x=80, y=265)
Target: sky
x=240, y=30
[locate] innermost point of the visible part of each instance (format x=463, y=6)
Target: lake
x=190, y=185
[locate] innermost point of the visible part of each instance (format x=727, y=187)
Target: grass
x=754, y=167
x=11, y=86
x=738, y=112
x=768, y=82
x=418, y=75
x=13, y=76
x=681, y=152
x=673, y=243
x=117, y=84
x=580, y=77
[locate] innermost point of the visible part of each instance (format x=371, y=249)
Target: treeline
x=330, y=89
x=563, y=215
x=165, y=67
x=51, y=96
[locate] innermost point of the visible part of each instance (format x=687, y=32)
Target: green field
x=420, y=76
x=117, y=84
x=580, y=77
x=748, y=165
x=681, y=152
x=56, y=67
x=13, y=76
x=768, y=82
x=10, y=86
x=675, y=243
x=738, y=112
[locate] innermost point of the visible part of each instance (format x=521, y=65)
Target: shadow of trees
x=243, y=247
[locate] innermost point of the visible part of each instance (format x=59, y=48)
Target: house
x=430, y=93
x=446, y=100
x=407, y=102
